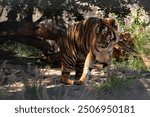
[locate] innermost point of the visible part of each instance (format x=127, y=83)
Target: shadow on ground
x=47, y=87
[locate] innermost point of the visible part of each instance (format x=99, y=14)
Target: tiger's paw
x=78, y=82
x=66, y=81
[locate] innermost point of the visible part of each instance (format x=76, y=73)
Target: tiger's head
x=106, y=36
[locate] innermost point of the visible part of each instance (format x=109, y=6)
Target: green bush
x=24, y=50
x=141, y=41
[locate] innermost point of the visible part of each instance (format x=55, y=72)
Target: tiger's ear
x=110, y=22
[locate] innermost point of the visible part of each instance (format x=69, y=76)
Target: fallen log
x=33, y=34
x=36, y=30
x=35, y=42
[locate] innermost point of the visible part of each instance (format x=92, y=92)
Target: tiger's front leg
x=107, y=71
x=86, y=70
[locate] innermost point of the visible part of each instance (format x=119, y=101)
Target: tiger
x=91, y=40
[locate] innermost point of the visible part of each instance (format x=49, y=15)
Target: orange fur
x=88, y=41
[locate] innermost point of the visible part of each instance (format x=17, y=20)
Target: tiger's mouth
x=104, y=63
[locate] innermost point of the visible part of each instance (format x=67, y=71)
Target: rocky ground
x=28, y=82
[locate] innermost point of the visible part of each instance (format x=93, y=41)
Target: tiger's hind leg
x=79, y=68
x=65, y=76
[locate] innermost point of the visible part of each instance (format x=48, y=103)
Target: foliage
x=23, y=50
x=23, y=10
x=114, y=84
x=142, y=41
x=136, y=26
x=136, y=64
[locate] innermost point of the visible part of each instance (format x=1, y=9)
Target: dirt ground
x=48, y=87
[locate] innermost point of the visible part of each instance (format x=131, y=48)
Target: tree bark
x=40, y=30
x=34, y=34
